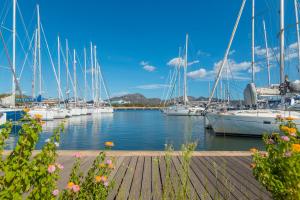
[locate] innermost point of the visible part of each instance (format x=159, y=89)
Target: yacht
x=45, y=113
x=258, y=121
x=249, y=122
x=183, y=108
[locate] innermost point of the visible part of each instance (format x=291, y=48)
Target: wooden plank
x=168, y=191
x=231, y=179
x=127, y=180
x=118, y=178
x=119, y=161
x=205, y=181
x=146, y=182
x=245, y=173
x=191, y=194
x=222, y=181
x=156, y=179
x=216, y=191
x=135, y=190
x=197, y=184
x=246, y=186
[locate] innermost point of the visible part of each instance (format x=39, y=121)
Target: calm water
x=139, y=130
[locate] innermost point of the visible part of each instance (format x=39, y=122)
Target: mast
x=185, y=69
x=298, y=36
x=75, y=78
x=267, y=53
x=227, y=51
x=92, y=70
x=67, y=70
x=281, y=41
x=227, y=80
x=85, y=85
x=34, y=63
x=14, y=54
x=96, y=74
x=179, y=66
x=253, y=35
x=99, y=80
x=58, y=66
x=39, y=48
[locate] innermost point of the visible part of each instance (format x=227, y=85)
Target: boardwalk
x=141, y=175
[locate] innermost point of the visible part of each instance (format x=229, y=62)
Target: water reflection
x=138, y=130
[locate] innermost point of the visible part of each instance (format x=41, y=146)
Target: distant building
x=120, y=102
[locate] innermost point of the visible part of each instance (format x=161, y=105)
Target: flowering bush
x=278, y=169
x=35, y=177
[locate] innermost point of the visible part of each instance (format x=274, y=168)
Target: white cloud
x=200, y=73
x=175, y=62
x=149, y=68
x=291, y=52
x=236, y=70
x=144, y=63
x=152, y=86
x=193, y=62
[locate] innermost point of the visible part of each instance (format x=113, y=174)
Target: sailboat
x=256, y=121
x=98, y=81
x=2, y=118
x=8, y=109
x=183, y=109
x=43, y=111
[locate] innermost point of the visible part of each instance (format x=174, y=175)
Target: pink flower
x=77, y=155
x=76, y=188
x=285, y=138
x=270, y=141
x=59, y=166
x=51, y=168
x=288, y=154
x=55, y=192
x=108, y=162
x=106, y=183
x=293, y=134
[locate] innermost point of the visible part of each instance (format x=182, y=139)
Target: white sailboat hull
x=84, y=111
x=46, y=114
x=249, y=122
x=60, y=113
x=75, y=111
x=183, y=111
x=106, y=110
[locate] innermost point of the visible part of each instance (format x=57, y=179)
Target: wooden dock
x=142, y=175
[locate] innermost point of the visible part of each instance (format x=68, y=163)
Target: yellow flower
x=296, y=147
x=253, y=150
x=26, y=110
x=70, y=185
x=284, y=128
x=38, y=117
x=252, y=165
x=111, y=166
x=292, y=130
x=289, y=118
x=98, y=179
x=102, y=165
x=109, y=144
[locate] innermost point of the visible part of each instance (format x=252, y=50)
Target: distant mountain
x=135, y=99
x=139, y=99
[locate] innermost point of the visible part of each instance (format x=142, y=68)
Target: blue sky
x=137, y=38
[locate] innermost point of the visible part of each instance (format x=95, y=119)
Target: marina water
x=139, y=130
